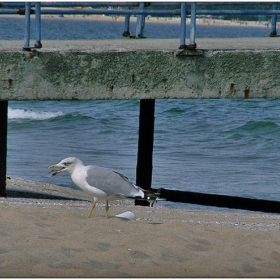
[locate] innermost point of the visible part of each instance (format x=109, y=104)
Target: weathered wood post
x=145, y=144
x=3, y=145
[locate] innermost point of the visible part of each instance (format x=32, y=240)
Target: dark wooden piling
x=216, y=200
x=3, y=145
x=144, y=167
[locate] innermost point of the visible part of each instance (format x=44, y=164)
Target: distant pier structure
x=147, y=70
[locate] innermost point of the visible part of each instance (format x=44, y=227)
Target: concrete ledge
x=137, y=69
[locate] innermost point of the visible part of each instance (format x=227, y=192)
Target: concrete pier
x=139, y=69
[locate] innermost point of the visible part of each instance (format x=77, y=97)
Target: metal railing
x=128, y=9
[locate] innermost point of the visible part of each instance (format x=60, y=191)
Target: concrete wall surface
x=116, y=70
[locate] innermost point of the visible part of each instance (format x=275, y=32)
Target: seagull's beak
x=55, y=172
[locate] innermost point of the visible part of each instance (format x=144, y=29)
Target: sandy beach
x=158, y=20
x=45, y=232
x=167, y=20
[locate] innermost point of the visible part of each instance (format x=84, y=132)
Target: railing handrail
x=87, y=4
x=138, y=10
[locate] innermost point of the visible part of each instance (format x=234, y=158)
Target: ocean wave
x=175, y=110
x=22, y=114
x=71, y=117
x=251, y=126
x=255, y=131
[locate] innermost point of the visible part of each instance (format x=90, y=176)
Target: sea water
x=228, y=147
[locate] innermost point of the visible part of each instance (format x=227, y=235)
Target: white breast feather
x=79, y=178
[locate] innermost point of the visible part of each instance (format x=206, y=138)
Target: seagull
x=103, y=183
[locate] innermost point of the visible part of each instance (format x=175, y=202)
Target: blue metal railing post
x=27, y=27
x=193, y=27
x=140, y=22
x=273, y=32
x=183, y=26
x=141, y=13
x=38, y=43
x=126, y=32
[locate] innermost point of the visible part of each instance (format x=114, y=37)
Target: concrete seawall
x=138, y=69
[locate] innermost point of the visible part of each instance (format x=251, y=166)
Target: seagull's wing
x=112, y=182
x=136, y=188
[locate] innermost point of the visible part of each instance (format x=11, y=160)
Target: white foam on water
x=22, y=114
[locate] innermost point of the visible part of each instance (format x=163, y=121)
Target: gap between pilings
x=145, y=167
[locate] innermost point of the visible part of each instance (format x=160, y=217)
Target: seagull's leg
x=91, y=209
x=107, y=209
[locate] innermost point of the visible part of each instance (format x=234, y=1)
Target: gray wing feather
x=111, y=182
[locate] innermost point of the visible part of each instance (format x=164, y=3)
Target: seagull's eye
x=67, y=163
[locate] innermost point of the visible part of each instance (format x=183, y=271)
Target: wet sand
x=43, y=236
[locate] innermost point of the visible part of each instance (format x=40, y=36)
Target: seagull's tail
x=149, y=196
x=152, y=197
x=146, y=197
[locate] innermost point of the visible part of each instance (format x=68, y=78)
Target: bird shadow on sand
x=38, y=195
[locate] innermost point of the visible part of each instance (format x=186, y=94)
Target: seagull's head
x=67, y=164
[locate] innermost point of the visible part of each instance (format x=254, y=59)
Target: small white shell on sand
x=128, y=215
